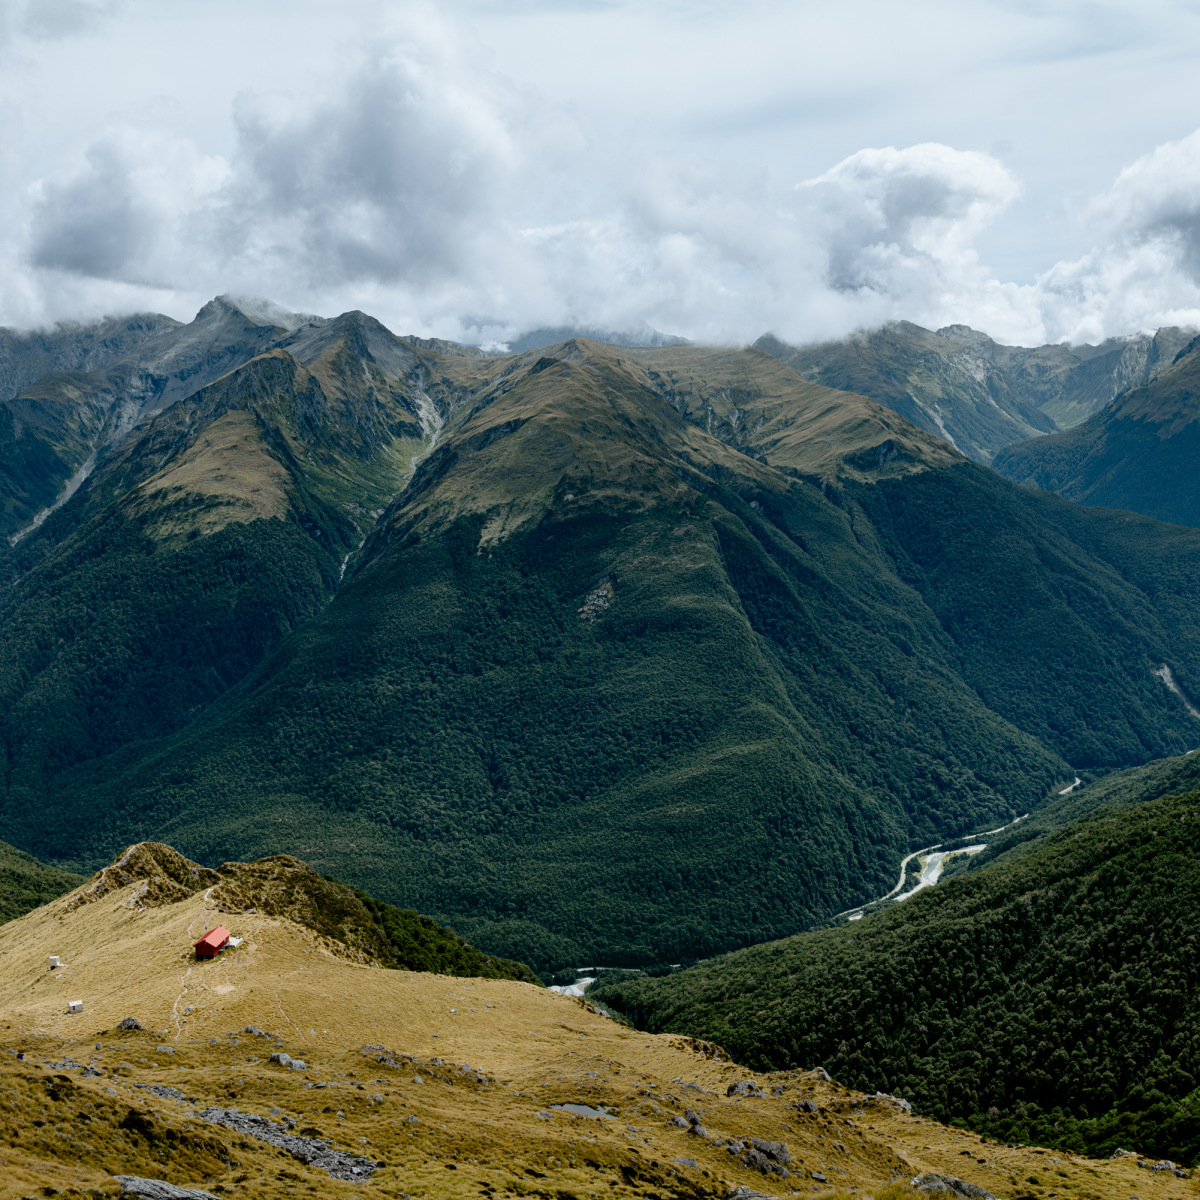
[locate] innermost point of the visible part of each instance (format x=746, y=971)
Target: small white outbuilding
x=54, y=962
x=74, y=1006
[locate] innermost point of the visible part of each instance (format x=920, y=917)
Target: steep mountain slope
x=1052, y=998
x=1138, y=453
x=53, y=431
x=963, y=387
x=664, y=651
x=942, y=384
x=199, y=541
x=26, y=883
x=405, y=1082
x=25, y=357
x=1070, y=383
x=1137, y=785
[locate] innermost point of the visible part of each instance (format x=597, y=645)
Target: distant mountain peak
x=257, y=311
x=645, y=335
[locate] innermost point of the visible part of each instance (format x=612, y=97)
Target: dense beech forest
x=1053, y=998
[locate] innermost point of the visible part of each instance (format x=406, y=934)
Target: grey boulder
x=744, y=1087
x=773, y=1150
x=159, y=1189
x=948, y=1183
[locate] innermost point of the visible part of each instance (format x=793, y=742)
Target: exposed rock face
x=286, y=1060
x=27, y=356
x=884, y=1099
x=974, y=393
x=768, y=1157
x=777, y=1151
x=1137, y=453
x=162, y=1091
x=597, y=601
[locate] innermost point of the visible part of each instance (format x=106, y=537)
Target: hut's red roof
x=214, y=938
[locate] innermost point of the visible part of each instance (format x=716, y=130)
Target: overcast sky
x=712, y=168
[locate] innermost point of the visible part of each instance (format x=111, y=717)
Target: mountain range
x=975, y=393
x=593, y=652
x=1139, y=452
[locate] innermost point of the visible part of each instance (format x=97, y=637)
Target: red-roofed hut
x=213, y=942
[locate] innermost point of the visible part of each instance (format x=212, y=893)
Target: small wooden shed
x=213, y=942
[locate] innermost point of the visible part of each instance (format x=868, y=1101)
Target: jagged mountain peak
x=359, y=334
x=257, y=311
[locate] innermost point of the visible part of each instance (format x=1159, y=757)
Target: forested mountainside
x=1051, y=998
x=1139, y=452
x=26, y=883
x=660, y=652
x=975, y=393
x=202, y=536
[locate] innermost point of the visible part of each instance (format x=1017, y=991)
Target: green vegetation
x=26, y=884
x=1053, y=998
x=108, y=642
x=1138, y=453
x=661, y=653
x=1059, y=615
x=192, y=552
x=412, y=942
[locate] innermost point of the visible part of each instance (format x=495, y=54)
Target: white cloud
x=128, y=212
x=1145, y=269
x=416, y=181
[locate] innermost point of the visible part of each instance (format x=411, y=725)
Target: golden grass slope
x=447, y=1082
x=585, y=423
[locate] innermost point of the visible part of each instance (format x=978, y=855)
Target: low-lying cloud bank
x=430, y=190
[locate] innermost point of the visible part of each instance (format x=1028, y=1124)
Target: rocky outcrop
x=948, y=1183
x=159, y=1189
x=771, y=1158
x=744, y=1087
x=311, y=1151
